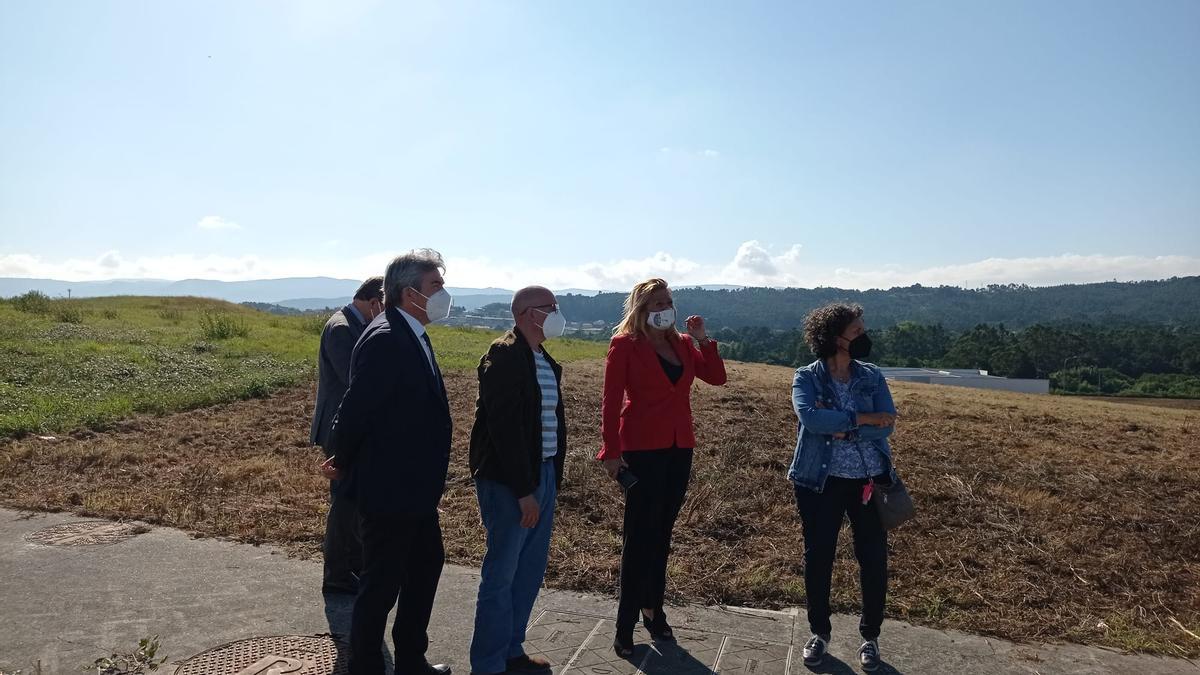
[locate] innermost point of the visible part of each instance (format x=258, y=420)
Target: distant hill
x=1172, y=301
x=271, y=308
x=309, y=304
x=463, y=297
x=302, y=293
x=260, y=290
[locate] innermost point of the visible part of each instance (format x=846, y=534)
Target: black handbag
x=893, y=503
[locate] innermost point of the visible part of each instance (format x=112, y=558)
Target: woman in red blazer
x=647, y=429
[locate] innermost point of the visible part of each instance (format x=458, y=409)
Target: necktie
x=437, y=372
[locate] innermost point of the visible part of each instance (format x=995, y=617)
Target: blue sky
x=594, y=144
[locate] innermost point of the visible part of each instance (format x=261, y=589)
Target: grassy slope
x=128, y=355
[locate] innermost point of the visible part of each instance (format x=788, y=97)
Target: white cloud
x=607, y=275
x=110, y=260
x=689, y=152
x=112, y=265
x=1036, y=271
x=217, y=223
x=754, y=263
x=626, y=273
x=21, y=265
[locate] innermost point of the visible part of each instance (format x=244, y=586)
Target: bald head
x=530, y=307
x=532, y=296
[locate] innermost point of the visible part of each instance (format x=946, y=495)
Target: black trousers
x=343, y=544
x=651, y=507
x=403, y=563
x=822, y=514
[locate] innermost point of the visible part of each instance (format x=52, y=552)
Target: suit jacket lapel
x=646, y=352
x=400, y=327
x=650, y=359
x=684, y=352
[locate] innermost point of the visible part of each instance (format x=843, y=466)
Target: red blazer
x=642, y=410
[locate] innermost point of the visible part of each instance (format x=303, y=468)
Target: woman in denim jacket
x=846, y=414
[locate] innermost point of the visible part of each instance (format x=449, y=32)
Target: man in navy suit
x=343, y=546
x=391, y=439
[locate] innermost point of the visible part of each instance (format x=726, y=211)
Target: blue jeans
x=513, y=569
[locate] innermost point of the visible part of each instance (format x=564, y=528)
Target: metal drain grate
x=290, y=654
x=86, y=533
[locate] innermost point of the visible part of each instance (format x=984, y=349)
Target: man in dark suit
x=391, y=437
x=343, y=546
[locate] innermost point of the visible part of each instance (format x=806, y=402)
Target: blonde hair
x=636, y=309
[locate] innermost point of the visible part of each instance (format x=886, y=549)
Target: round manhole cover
x=290, y=654
x=86, y=533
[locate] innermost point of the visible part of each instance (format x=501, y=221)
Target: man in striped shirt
x=518, y=446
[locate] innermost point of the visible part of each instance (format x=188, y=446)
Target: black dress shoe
x=658, y=627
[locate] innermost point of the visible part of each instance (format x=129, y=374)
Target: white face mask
x=662, y=320
x=554, y=325
x=437, y=306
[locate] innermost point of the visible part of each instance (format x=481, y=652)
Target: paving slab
x=73, y=589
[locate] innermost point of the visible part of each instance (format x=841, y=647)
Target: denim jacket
x=814, y=440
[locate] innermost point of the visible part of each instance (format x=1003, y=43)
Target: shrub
x=257, y=389
x=218, y=326
x=1089, y=380
x=203, y=347
x=33, y=302
x=1171, y=385
x=65, y=311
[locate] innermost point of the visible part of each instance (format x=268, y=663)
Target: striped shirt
x=549, y=386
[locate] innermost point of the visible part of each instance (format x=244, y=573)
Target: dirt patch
x=1041, y=518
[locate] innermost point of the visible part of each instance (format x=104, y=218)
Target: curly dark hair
x=823, y=325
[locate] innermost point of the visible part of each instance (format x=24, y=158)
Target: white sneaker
x=814, y=649
x=868, y=655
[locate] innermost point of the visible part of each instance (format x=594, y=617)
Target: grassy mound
x=88, y=363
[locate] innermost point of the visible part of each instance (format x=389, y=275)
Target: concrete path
x=72, y=589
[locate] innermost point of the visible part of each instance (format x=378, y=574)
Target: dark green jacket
x=506, y=440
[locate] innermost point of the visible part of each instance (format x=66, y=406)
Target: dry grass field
x=1041, y=518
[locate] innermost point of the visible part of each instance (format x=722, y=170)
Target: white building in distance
x=960, y=377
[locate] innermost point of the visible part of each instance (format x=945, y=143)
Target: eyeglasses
x=545, y=309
